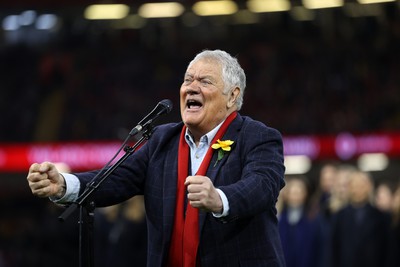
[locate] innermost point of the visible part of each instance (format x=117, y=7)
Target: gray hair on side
x=232, y=73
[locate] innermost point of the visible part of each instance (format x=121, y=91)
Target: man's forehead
x=204, y=68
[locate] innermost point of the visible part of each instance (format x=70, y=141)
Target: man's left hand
x=202, y=194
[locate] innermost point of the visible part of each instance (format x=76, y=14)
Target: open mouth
x=193, y=104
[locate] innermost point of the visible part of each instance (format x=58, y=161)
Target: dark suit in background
x=360, y=237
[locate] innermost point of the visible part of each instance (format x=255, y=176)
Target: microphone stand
x=87, y=206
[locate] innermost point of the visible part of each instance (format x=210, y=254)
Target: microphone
x=163, y=107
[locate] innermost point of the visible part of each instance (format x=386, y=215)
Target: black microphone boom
x=163, y=107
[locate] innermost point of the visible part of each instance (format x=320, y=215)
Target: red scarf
x=185, y=234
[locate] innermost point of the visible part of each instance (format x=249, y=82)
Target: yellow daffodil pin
x=223, y=147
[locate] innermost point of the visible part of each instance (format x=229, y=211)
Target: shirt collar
x=205, y=138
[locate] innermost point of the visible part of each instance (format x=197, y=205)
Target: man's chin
x=191, y=118
x=190, y=123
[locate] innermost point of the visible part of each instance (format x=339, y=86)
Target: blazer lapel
x=212, y=172
x=231, y=134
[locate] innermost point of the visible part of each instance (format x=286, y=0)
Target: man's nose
x=193, y=88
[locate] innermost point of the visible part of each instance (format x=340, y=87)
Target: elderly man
x=210, y=182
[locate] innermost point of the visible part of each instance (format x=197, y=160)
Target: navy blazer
x=360, y=237
x=251, y=176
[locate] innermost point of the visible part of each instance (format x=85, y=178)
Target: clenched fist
x=202, y=194
x=45, y=180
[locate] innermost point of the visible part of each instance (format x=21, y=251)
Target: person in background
x=326, y=193
x=394, y=259
x=210, y=183
x=360, y=232
x=340, y=190
x=296, y=227
x=383, y=197
x=319, y=200
x=121, y=234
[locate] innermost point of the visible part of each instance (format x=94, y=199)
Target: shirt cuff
x=73, y=186
x=225, y=205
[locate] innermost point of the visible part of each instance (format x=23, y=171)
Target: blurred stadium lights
x=106, y=11
x=373, y=162
x=161, y=10
x=316, y=4
x=369, y=162
x=297, y=164
x=46, y=22
x=14, y=22
x=10, y=23
x=215, y=8
x=32, y=27
x=240, y=15
x=29, y=18
x=374, y=1
x=258, y=6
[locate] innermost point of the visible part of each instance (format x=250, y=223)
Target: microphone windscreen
x=167, y=104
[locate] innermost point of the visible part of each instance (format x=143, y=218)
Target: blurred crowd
x=344, y=217
x=350, y=220
x=31, y=235
x=332, y=74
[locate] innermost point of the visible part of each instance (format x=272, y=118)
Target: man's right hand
x=45, y=180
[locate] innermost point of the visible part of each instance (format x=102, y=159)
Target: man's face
x=203, y=104
x=296, y=193
x=360, y=188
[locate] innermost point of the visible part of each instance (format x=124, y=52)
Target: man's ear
x=233, y=97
